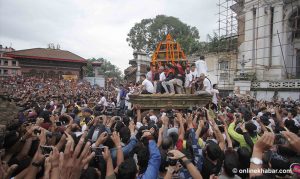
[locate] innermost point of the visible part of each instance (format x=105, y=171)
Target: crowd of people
x=72, y=130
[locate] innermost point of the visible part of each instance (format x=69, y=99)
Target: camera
x=280, y=140
x=64, y=120
x=36, y=132
x=172, y=162
x=170, y=114
x=59, y=123
x=98, y=151
x=237, y=115
x=46, y=150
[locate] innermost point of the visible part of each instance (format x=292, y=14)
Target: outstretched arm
x=154, y=162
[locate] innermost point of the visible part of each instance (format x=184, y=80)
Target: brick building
x=8, y=65
x=47, y=62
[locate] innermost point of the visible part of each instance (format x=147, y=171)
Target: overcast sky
x=94, y=28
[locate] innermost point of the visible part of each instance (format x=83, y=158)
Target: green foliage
x=107, y=69
x=145, y=35
x=217, y=44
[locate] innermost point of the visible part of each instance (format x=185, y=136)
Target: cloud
x=93, y=28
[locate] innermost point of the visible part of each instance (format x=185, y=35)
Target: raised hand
x=201, y=124
x=265, y=142
x=71, y=163
x=176, y=154
x=293, y=139
x=116, y=139
x=106, y=154
x=131, y=127
x=5, y=170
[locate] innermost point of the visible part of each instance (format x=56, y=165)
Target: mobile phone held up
x=98, y=151
x=46, y=150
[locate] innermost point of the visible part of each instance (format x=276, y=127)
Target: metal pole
x=287, y=76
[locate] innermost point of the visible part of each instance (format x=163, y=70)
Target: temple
x=48, y=62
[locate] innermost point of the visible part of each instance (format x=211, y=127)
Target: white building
x=138, y=66
x=269, y=40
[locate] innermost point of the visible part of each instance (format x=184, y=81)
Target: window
x=223, y=65
x=5, y=72
x=14, y=72
x=294, y=22
x=223, y=76
x=5, y=63
x=14, y=63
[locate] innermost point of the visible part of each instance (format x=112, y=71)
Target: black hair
x=124, y=134
x=147, y=119
x=214, y=85
x=118, y=125
x=109, y=143
x=251, y=128
x=76, y=110
x=213, y=150
x=231, y=161
x=48, y=106
x=10, y=139
x=244, y=157
x=293, y=112
x=163, y=162
x=143, y=157
x=89, y=173
x=290, y=124
x=167, y=143
x=126, y=120
x=144, y=76
x=127, y=169
x=140, y=132
x=174, y=137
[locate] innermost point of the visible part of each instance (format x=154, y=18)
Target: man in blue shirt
x=128, y=169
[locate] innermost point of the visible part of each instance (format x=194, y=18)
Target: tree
x=107, y=69
x=217, y=43
x=145, y=35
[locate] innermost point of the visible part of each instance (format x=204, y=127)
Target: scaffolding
x=232, y=31
x=227, y=47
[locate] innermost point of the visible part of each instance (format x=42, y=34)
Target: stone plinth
x=168, y=101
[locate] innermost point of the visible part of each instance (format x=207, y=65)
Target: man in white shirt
x=194, y=72
x=162, y=78
x=215, y=96
x=146, y=87
x=201, y=66
x=206, y=83
x=188, y=81
x=149, y=74
x=103, y=102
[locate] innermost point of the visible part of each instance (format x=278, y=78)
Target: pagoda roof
x=46, y=54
